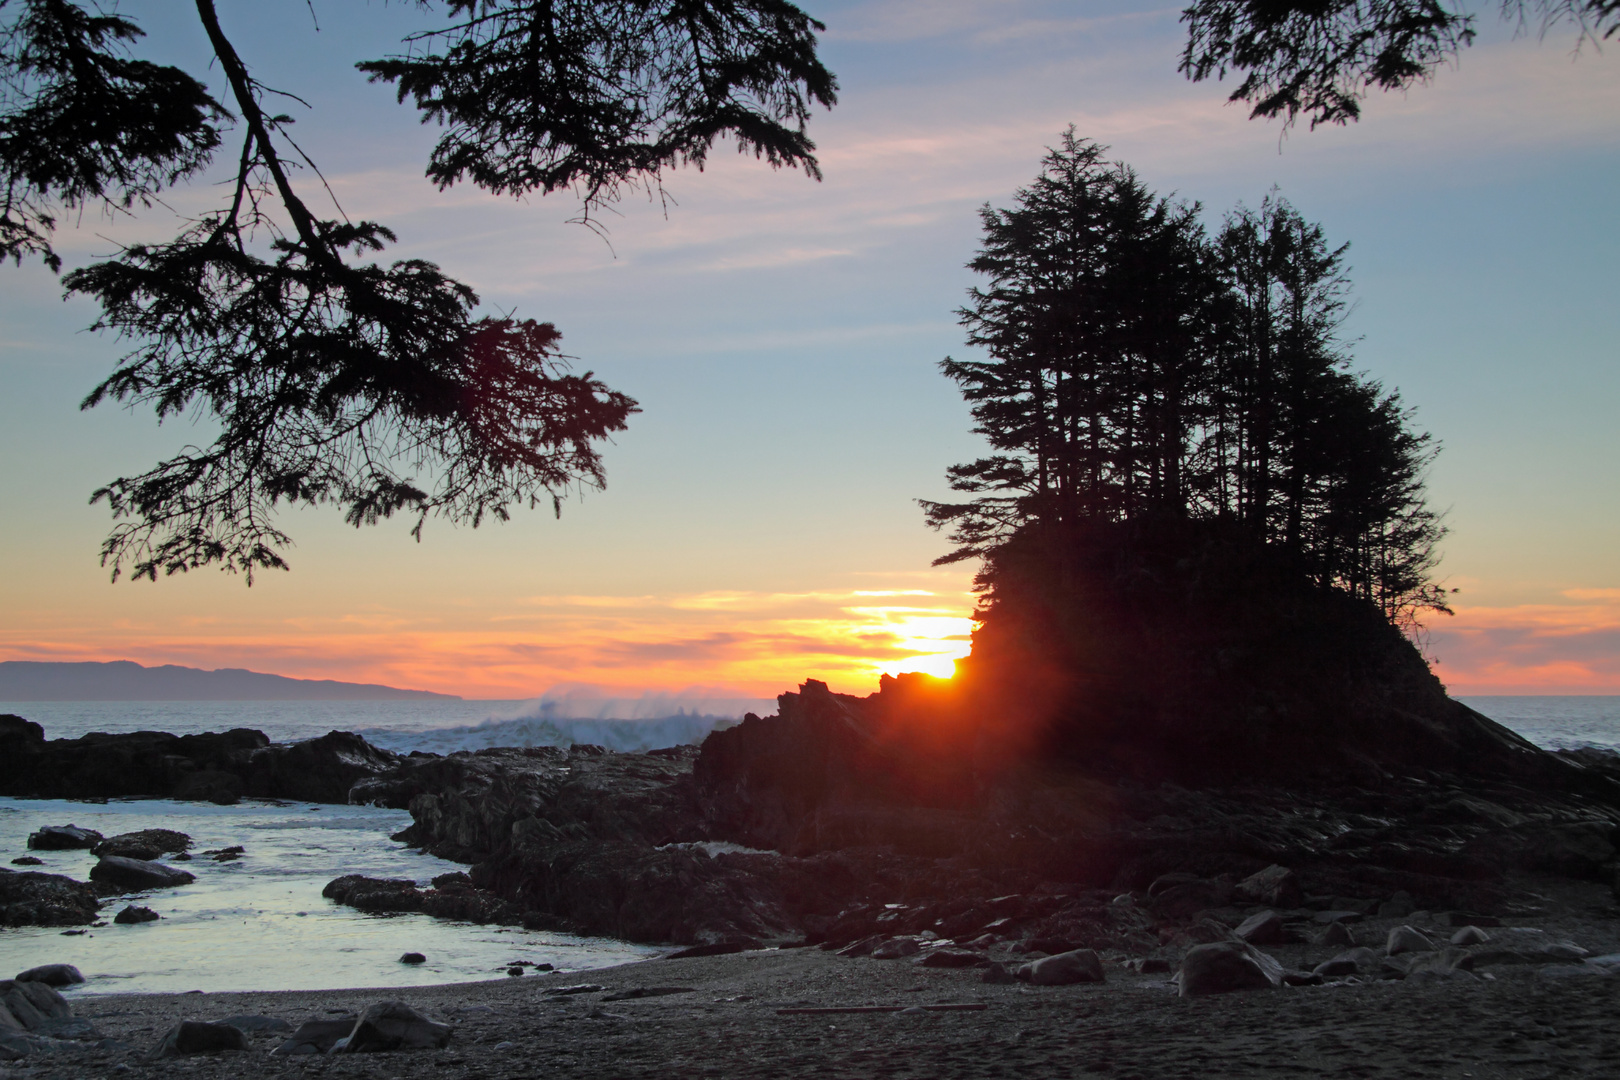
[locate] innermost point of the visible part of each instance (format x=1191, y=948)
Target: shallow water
x=260, y=922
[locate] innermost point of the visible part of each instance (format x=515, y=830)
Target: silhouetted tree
x=334, y=379
x=1318, y=59
x=1138, y=370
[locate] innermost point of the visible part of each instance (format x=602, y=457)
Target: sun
x=933, y=644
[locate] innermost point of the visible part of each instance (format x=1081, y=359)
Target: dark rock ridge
x=823, y=823
x=220, y=767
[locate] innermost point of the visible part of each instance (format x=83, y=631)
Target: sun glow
x=935, y=643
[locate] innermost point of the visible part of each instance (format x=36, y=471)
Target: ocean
x=260, y=922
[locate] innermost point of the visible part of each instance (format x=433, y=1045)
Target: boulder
x=146, y=845
x=393, y=1025
x=133, y=915
x=1469, y=935
x=1224, y=966
x=315, y=1037
x=1405, y=939
x=52, y=975
x=31, y=1006
x=63, y=838
x=1064, y=969
x=32, y=898
x=201, y=1037
x=137, y=875
x=1338, y=915
x=1337, y=934
x=413, y=958
x=1275, y=886
x=1262, y=928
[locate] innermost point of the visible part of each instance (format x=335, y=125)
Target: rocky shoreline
x=822, y=846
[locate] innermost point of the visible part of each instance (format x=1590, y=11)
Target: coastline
x=1525, y=1022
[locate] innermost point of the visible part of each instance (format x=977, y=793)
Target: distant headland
x=125, y=680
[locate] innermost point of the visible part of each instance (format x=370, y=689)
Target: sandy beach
x=1508, y=1021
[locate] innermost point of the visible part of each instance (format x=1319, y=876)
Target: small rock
x=1405, y=939
x=1149, y=965
x=200, y=1037
x=996, y=975
x=1360, y=961
x=394, y=1025
x=950, y=958
x=570, y=991
x=1337, y=934
x=895, y=948
x=132, y=915
x=28, y=860
x=1470, y=935
x=638, y=992
x=1064, y=969
x=1224, y=966
x=52, y=975
x=133, y=875
x=1275, y=886
x=515, y=969
x=63, y=838
x=1263, y=928
x=719, y=948
x=413, y=958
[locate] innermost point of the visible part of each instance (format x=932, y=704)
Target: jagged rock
x=201, y=1037
x=1224, y=966
x=1275, y=886
x=133, y=916
x=52, y=975
x=138, y=875
x=1404, y=939
x=32, y=898
x=1064, y=969
x=146, y=845
x=63, y=838
x=1470, y=935
x=393, y=1025
x=1263, y=928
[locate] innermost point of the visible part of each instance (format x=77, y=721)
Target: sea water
x=260, y=922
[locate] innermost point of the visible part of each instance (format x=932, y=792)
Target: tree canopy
x=1138, y=367
x=1319, y=58
x=333, y=378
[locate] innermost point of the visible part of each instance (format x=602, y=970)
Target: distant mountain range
x=125, y=680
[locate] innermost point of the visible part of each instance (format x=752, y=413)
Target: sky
x=782, y=336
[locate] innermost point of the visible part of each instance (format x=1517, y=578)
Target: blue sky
x=782, y=335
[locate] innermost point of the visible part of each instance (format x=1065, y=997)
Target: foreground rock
x=32, y=898
x=1224, y=966
x=1064, y=969
x=392, y=1025
x=138, y=875
x=35, y=1019
x=201, y=1037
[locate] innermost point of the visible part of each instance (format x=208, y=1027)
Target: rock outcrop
x=218, y=767
x=32, y=898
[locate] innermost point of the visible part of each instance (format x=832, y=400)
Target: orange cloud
x=751, y=644
x=1572, y=647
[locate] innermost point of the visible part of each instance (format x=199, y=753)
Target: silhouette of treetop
x=329, y=377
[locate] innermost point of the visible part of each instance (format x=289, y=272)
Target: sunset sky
x=782, y=336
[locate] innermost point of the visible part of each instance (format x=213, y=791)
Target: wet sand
x=1524, y=1021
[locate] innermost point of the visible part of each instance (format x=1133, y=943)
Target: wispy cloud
x=1571, y=646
